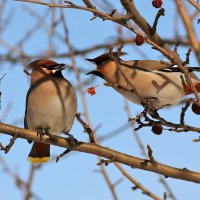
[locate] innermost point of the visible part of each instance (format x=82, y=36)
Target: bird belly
x=54, y=108
x=158, y=88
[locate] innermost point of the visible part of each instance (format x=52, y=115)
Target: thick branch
x=134, y=162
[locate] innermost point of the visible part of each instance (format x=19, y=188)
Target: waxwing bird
x=50, y=104
x=159, y=83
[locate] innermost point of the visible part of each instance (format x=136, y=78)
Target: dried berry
x=139, y=40
x=157, y=3
x=196, y=108
x=157, y=129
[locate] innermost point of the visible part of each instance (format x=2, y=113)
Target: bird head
x=106, y=66
x=44, y=67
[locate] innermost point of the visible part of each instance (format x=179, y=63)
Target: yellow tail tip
x=38, y=160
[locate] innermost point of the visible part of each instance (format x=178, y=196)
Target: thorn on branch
x=184, y=109
x=113, y=12
x=70, y=3
x=119, y=49
x=8, y=147
x=176, y=49
x=150, y=154
x=86, y=128
x=134, y=188
x=110, y=50
x=94, y=17
x=62, y=154
x=105, y=162
x=108, y=161
x=187, y=60
x=160, y=13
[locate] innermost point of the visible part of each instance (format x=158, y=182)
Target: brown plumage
x=50, y=103
x=159, y=83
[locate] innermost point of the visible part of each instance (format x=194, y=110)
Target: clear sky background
x=77, y=176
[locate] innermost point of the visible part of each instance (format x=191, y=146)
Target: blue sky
x=77, y=176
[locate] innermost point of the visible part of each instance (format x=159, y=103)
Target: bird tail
x=39, y=153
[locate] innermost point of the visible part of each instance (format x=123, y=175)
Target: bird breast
x=51, y=103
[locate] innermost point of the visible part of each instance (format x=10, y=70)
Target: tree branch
x=134, y=162
x=136, y=183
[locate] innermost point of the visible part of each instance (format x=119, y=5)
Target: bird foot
x=51, y=136
x=40, y=132
x=71, y=140
x=46, y=131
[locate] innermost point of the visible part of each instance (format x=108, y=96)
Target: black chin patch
x=96, y=73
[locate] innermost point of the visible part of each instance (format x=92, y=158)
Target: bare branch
x=136, y=183
x=106, y=153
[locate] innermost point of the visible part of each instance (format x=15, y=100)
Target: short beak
x=96, y=73
x=58, y=67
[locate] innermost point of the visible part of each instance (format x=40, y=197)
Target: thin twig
x=150, y=153
x=86, y=128
x=9, y=146
x=160, y=13
x=136, y=183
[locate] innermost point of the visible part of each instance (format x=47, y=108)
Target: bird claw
x=46, y=131
x=51, y=136
x=40, y=133
x=72, y=141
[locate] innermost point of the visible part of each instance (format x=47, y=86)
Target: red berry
x=157, y=3
x=139, y=40
x=196, y=108
x=157, y=129
x=91, y=91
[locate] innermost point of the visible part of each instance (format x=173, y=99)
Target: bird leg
x=72, y=141
x=51, y=136
x=46, y=131
x=40, y=132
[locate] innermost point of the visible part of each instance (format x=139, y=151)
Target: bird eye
x=49, y=67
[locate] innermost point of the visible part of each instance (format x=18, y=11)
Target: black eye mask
x=58, y=67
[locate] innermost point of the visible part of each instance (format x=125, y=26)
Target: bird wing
x=147, y=65
x=151, y=65
x=25, y=122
